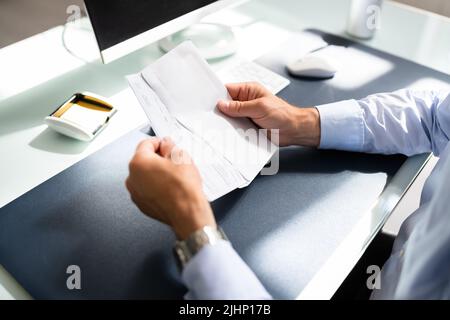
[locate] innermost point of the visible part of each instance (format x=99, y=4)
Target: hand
x=166, y=186
x=298, y=126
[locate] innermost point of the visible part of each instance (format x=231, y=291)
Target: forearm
x=407, y=122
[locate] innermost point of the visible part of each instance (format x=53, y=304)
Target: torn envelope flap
x=185, y=82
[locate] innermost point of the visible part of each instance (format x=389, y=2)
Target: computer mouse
x=312, y=66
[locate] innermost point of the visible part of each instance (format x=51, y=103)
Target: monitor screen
x=115, y=21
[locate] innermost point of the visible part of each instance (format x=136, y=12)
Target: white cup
x=364, y=18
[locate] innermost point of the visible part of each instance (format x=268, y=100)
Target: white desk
x=37, y=74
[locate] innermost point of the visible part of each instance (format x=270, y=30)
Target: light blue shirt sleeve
x=217, y=272
x=407, y=121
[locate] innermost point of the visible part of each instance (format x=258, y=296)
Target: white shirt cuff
x=217, y=272
x=342, y=126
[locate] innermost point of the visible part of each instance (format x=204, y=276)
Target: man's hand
x=166, y=185
x=298, y=126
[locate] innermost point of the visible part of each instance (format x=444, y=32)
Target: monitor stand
x=79, y=40
x=214, y=41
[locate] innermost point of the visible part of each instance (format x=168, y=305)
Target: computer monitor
x=124, y=26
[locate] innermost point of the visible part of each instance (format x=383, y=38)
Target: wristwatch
x=186, y=250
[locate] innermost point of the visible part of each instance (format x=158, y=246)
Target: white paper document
x=179, y=94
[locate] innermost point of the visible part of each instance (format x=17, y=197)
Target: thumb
x=167, y=145
x=170, y=151
x=241, y=109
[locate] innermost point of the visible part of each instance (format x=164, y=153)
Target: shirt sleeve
x=217, y=272
x=406, y=121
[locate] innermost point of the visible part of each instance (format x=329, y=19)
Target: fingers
x=148, y=147
x=169, y=150
x=154, y=146
x=247, y=100
x=246, y=91
x=239, y=109
x=146, y=153
x=166, y=147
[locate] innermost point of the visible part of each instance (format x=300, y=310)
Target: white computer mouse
x=313, y=66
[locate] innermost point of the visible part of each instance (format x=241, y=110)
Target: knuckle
x=135, y=164
x=142, y=144
x=264, y=102
x=238, y=107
